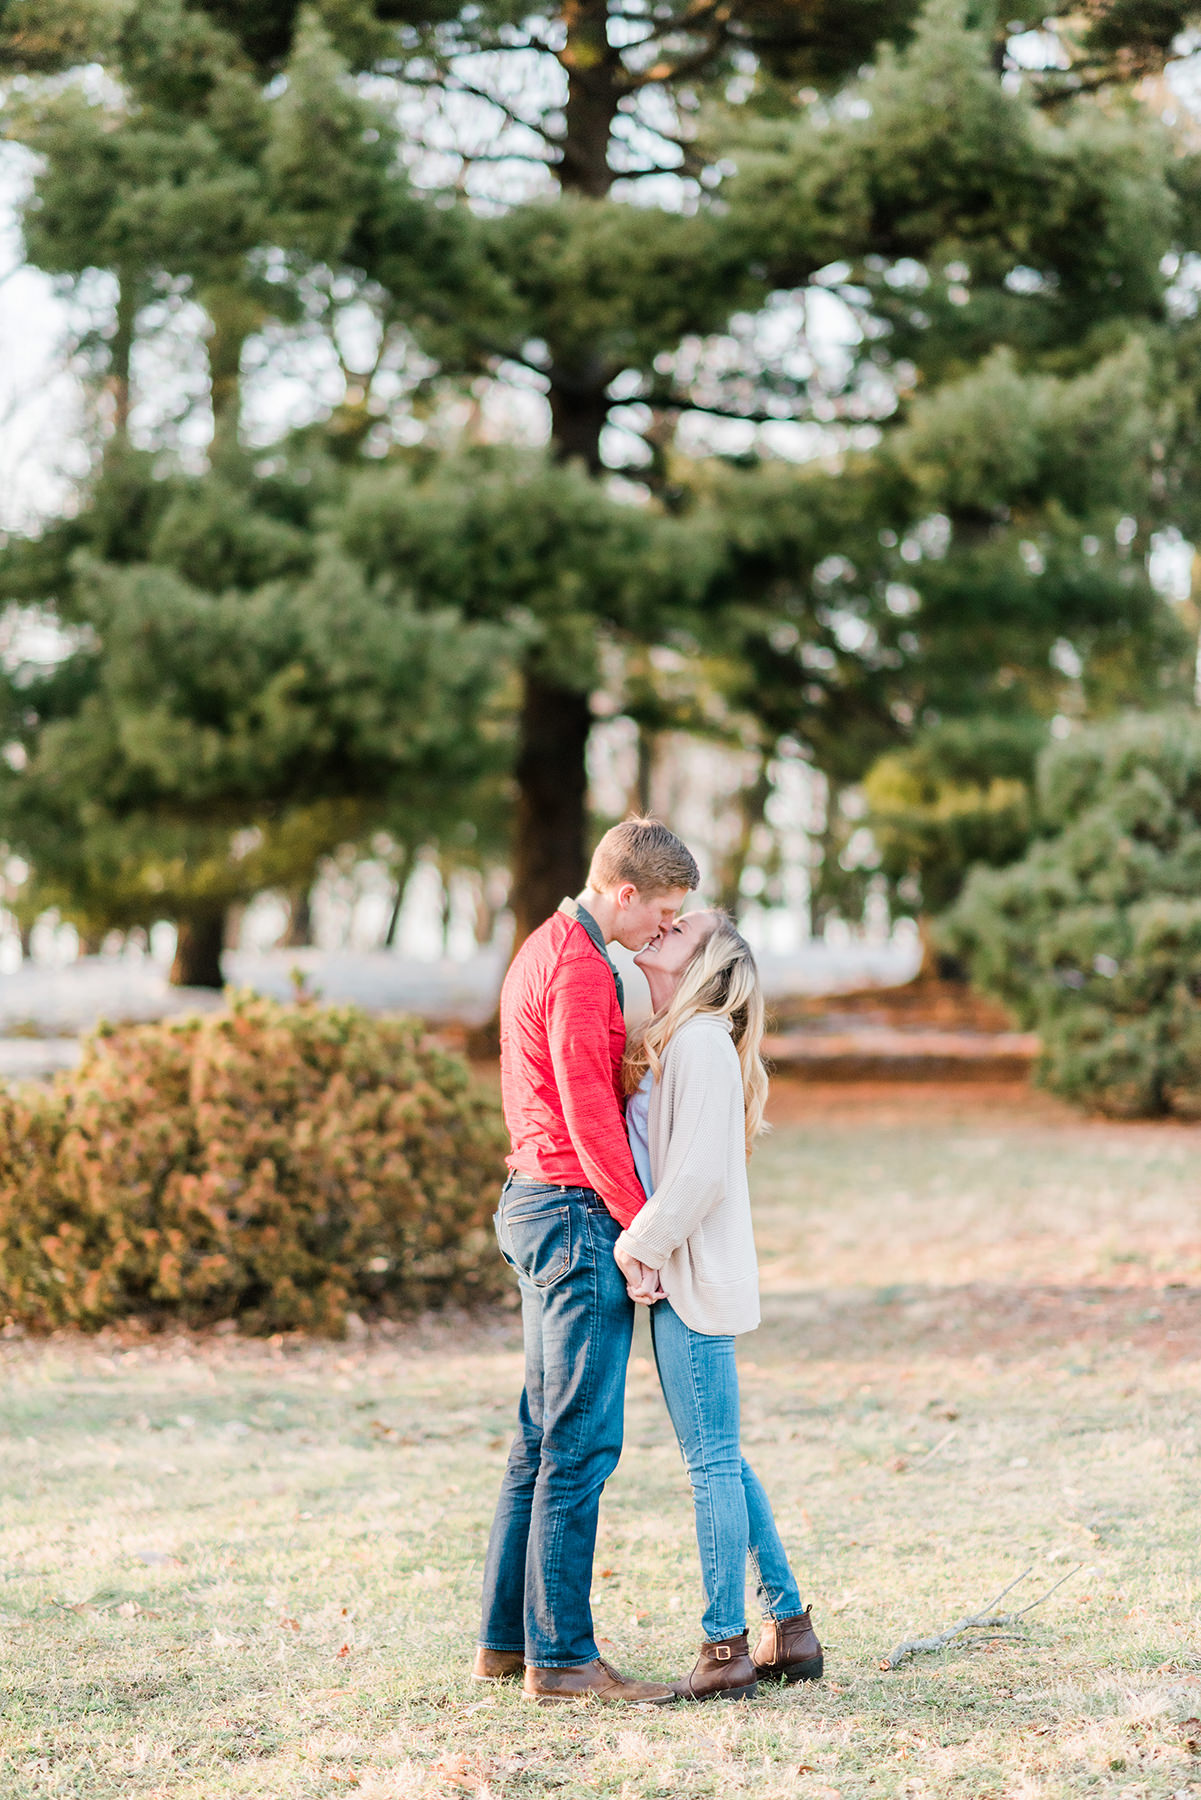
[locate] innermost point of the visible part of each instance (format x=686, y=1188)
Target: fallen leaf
x=607, y=1574
x=287, y=1624
x=345, y=1650
x=899, y=1464
x=455, y=1768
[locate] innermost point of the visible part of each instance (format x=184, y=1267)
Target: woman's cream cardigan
x=696, y=1227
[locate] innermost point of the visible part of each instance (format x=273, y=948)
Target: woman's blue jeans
x=577, y=1320
x=699, y=1378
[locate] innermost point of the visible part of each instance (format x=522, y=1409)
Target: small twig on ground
x=988, y=1619
x=931, y=1454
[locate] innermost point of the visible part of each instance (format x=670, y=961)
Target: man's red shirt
x=562, y=1037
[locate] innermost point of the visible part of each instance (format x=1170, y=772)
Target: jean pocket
x=538, y=1242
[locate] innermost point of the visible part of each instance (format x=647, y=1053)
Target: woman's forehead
x=703, y=920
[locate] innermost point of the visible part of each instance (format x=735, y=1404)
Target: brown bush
x=280, y=1165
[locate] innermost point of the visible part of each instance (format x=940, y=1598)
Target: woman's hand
x=642, y=1284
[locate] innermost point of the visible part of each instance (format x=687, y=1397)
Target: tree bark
x=404, y=869
x=647, y=754
x=298, y=932
x=120, y=356
x=594, y=87
x=750, y=803
x=550, y=855
x=232, y=318
x=199, y=943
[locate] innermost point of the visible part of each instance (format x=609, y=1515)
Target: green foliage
x=538, y=548
x=278, y=1165
x=1009, y=419
x=200, y=744
x=1094, y=938
x=960, y=794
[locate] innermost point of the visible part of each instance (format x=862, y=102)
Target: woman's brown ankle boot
x=788, y=1650
x=724, y=1671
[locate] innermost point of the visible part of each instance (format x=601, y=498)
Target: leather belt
x=564, y=1187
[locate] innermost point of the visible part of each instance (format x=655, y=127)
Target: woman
x=697, y=1089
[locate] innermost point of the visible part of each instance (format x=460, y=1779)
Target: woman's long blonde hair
x=720, y=978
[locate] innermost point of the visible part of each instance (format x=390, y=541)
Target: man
x=572, y=1188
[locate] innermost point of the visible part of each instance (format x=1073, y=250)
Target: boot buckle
x=722, y=1652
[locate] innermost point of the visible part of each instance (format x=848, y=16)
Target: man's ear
x=626, y=894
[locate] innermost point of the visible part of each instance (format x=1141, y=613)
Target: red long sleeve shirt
x=561, y=1042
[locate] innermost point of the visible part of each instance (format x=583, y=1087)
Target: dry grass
x=238, y=1569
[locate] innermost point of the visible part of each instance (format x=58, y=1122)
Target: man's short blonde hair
x=645, y=852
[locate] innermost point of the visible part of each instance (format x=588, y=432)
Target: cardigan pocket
x=536, y=1242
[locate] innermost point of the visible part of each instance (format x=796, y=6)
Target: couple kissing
x=627, y=1187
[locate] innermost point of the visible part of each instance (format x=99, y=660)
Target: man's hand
x=642, y=1284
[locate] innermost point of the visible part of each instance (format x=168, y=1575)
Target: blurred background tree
x=811, y=379
x=1094, y=937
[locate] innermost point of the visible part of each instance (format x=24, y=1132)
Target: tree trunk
x=232, y=318
x=750, y=803
x=579, y=407
x=404, y=869
x=445, y=907
x=298, y=932
x=549, y=854
x=199, y=943
x=120, y=354
x=647, y=754
x=594, y=87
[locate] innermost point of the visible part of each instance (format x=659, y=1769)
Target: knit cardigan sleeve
x=702, y=1099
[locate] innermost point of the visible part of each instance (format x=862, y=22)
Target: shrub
x=279, y=1165
x=1094, y=938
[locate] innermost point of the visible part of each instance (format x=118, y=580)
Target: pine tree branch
x=664, y=400
x=687, y=21
x=664, y=73
x=456, y=85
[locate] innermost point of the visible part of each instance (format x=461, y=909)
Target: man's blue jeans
x=577, y=1321
x=699, y=1378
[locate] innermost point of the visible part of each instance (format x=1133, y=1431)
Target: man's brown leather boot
x=550, y=1685
x=497, y=1665
x=724, y=1671
x=788, y=1650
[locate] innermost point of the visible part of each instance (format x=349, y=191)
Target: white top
x=638, y=1128
x=696, y=1227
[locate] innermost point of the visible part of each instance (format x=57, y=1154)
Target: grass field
x=250, y=1569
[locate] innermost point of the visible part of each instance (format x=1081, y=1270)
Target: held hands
x=642, y=1284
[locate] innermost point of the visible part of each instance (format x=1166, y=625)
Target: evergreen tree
x=1094, y=937
x=698, y=166
x=201, y=743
